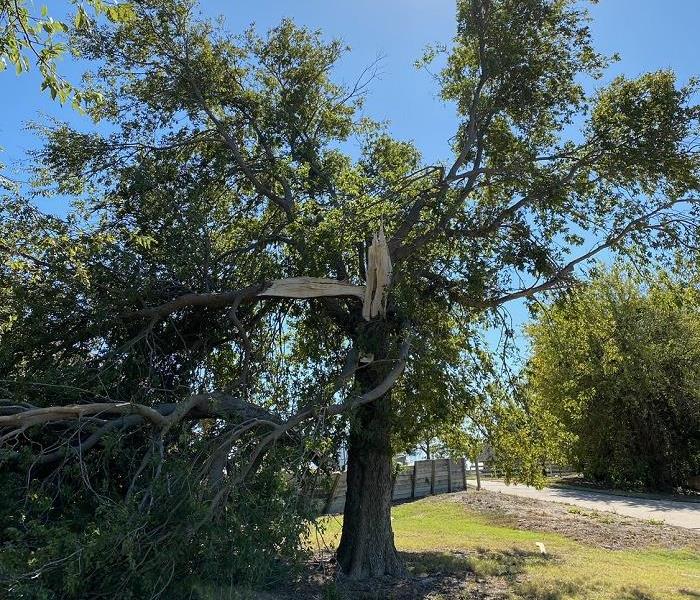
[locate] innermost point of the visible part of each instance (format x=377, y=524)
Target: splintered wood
x=378, y=277
x=311, y=287
x=373, y=295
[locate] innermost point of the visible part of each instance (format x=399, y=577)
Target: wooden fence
x=423, y=478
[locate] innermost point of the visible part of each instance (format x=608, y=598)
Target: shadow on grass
x=560, y=590
x=438, y=575
x=480, y=563
x=455, y=575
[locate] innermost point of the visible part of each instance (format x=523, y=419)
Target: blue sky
x=648, y=34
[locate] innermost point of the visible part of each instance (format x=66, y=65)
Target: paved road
x=680, y=514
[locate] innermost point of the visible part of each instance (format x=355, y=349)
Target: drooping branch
x=123, y=415
x=329, y=411
x=53, y=414
x=198, y=406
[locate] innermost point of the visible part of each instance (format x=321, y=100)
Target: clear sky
x=648, y=34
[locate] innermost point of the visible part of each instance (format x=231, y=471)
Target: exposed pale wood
x=311, y=287
x=378, y=277
x=292, y=287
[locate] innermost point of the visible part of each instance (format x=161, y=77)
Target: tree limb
x=293, y=288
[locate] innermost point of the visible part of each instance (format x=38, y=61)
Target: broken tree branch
x=293, y=288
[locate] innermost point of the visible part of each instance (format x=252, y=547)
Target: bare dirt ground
x=449, y=577
x=594, y=528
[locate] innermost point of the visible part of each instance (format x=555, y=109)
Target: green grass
x=600, y=517
x=657, y=522
x=444, y=536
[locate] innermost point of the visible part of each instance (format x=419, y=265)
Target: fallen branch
x=198, y=406
x=163, y=416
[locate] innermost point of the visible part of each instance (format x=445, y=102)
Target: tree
x=521, y=437
x=617, y=364
x=172, y=294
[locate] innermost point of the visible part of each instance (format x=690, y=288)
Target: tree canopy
x=163, y=323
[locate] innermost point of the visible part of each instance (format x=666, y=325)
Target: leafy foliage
x=618, y=365
x=93, y=543
x=26, y=38
x=222, y=163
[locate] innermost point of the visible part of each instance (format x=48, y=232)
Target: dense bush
x=64, y=539
x=618, y=363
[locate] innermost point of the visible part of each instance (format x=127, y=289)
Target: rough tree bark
x=367, y=543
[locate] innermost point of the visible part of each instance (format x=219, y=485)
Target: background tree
x=169, y=302
x=618, y=364
x=520, y=437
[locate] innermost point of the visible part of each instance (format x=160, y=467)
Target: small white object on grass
x=540, y=545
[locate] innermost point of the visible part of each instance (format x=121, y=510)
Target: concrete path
x=680, y=514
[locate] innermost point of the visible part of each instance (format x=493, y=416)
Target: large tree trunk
x=367, y=543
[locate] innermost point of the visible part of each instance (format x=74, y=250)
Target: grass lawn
x=440, y=535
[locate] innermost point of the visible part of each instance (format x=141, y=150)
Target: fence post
x=393, y=481
x=464, y=472
x=449, y=475
x=329, y=500
x=432, y=477
x=413, y=480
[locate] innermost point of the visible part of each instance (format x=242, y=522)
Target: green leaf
x=81, y=19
